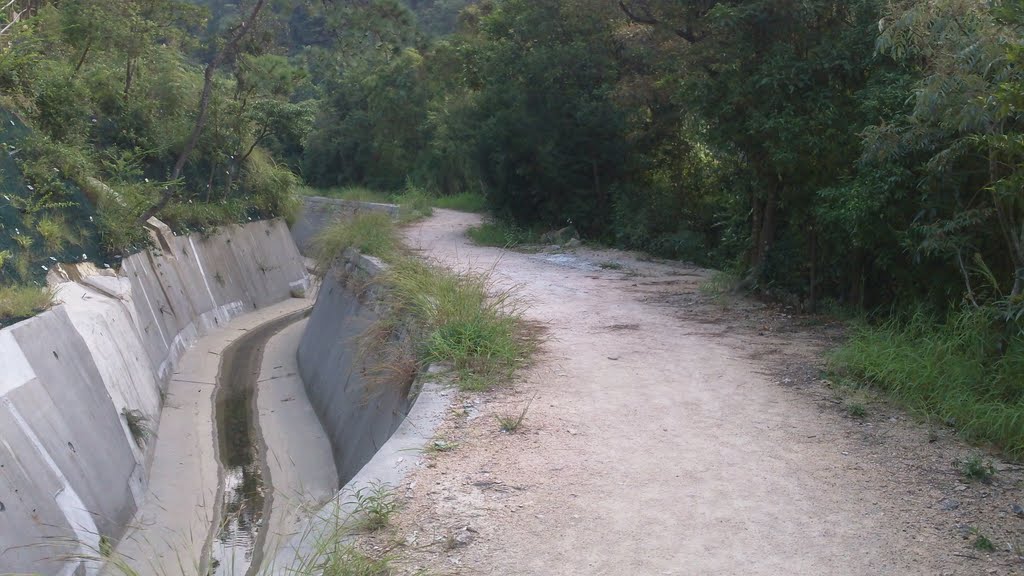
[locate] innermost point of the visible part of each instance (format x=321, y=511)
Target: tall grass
x=458, y=319
x=372, y=233
x=464, y=202
x=353, y=193
x=462, y=320
x=967, y=371
x=18, y=302
x=414, y=202
x=501, y=234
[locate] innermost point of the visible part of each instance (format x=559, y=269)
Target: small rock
x=573, y=431
x=960, y=488
x=949, y=504
x=299, y=292
x=1018, y=510
x=463, y=538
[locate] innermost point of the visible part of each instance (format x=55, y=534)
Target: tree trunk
x=812, y=300
x=81, y=60
x=764, y=225
x=768, y=226
x=129, y=74
x=238, y=33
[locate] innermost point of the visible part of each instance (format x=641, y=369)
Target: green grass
x=977, y=468
x=374, y=506
x=982, y=542
x=512, y=422
x=719, y=284
x=18, y=302
x=960, y=371
x=414, y=202
x=856, y=409
x=501, y=234
x=464, y=202
x=372, y=233
x=353, y=193
x=460, y=320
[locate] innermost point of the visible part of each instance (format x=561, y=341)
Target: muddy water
x=245, y=480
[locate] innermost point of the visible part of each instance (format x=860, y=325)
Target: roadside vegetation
x=18, y=302
x=863, y=155
x=463, y=320
x=966, y=372
x=502, y=234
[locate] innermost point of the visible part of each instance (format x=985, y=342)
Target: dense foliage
x=111, y=94
x=826, y=149
x=867, y=153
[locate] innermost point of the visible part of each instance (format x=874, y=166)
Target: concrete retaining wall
x=358, y=404
x=317, y=212
x=70, y=468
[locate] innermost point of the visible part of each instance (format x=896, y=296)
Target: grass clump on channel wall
x=18, y=302
x=462, y=320
x=966, y=372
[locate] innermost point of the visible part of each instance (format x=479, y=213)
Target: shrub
x=270, y=187
x=965, y=371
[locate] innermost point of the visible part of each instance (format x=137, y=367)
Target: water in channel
x=246, y=483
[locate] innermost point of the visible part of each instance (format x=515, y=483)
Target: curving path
x=655, y=444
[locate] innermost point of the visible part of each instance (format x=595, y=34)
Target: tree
x=236, y=34
x=966, y=122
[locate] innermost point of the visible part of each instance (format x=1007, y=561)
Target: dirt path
x=659, y=442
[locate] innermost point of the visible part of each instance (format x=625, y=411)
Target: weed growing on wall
x=18, y=302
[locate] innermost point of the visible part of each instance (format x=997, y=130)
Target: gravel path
x=656, y=443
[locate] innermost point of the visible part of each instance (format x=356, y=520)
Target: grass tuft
x=512, y=422
x=977, y=468
x=965, y=371
x=460, y=320
x=18, y=302
x=719, y=285
x=982, y=542
x=372, y=233
x=501, y=234
x=138, y=425
x=374, y=506
x=856, y=409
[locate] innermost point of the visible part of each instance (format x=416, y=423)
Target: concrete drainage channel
x=245, y=480
x=125, y=371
